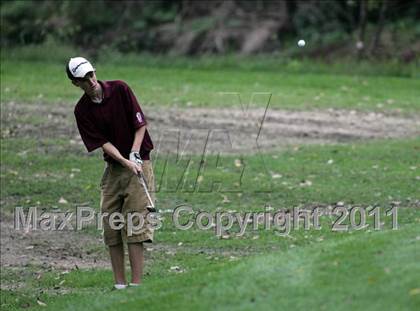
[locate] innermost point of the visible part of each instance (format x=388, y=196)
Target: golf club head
x=151, y=209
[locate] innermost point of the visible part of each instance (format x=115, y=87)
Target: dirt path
x=69, y=250
x=57, y=249
x=280, y=128
x=232, y=130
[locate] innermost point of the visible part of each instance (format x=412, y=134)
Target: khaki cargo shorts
x=122, y=192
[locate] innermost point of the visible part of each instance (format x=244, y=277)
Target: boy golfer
x=109, y=116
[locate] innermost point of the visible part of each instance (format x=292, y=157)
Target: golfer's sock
x=134, y=284
x=120, y=286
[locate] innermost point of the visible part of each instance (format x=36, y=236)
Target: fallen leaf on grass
x=371, y=280
x=41, y=303
x=414, y=291
x=62, y=201
x=225, y=199
x=275, y=175
x=268, y=208
x=305, y=183
x=176, y=269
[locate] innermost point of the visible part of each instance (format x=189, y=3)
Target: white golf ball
x=301, y=43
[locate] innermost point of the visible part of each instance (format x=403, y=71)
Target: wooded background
x=363, y=28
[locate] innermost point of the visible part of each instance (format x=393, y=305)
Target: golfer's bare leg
x=117, y=260
x=136, y=255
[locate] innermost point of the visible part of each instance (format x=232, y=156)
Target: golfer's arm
x=138, y=139
x=113, y=152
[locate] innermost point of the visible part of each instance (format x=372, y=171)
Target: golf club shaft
x=151, y=206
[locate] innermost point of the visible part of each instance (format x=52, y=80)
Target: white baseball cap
x=79, y=67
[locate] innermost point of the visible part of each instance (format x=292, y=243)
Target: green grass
x=292, y=60
x=206, y=87
x=316, y=269
x=300, y=270
x=363, y=270
x=364, y=173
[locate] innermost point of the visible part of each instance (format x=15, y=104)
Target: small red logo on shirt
x=139, y=117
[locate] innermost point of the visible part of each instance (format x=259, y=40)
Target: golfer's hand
x=135, y=158
x=134, y=167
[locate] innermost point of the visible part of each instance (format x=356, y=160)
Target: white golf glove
x=135, y=157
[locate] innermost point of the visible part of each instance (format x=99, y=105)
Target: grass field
x=307, y=269
x=206, y=87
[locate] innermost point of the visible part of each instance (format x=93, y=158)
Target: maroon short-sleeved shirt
x=114, y=120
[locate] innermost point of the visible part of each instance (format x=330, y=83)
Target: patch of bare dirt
x=58, y=249
x=69, y=250
x=235, y=131
x=227, y=130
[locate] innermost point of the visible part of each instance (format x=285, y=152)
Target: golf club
x=151, y=206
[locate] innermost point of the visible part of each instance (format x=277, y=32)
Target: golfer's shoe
x=119, y=286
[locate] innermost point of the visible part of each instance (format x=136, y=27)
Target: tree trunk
x=362, y=29
x=381, y=23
